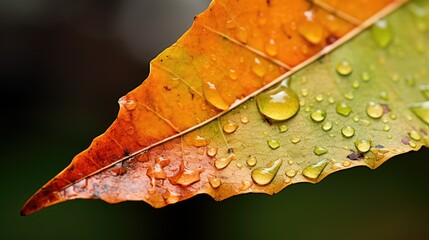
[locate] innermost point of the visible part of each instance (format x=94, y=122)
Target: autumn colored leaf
x=259, y=95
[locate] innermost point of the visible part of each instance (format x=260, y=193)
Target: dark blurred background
x=63, y=66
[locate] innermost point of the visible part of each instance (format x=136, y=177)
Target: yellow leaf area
x=206, y=82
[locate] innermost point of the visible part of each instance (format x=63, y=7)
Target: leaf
x=200, y=122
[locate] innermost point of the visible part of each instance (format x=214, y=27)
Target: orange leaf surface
x=234, y=50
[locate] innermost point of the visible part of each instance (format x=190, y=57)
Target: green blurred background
x=63, y=66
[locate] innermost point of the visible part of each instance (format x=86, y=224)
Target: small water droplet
x=211, y=151
x=414, y=135
x=230, y=126
x=331, y=100
x=213, y=96
x=363, y=145
x=245, y=185
x=278, y=104
x=386, y=128
x=344, y=68
x=304, y=92
x=313, y=171
x=264, y=175
x=410, y=81
x=382, y=33
x=319, y=115
x=295, y=140
x=128, y=103
x=290, y=173
x=394, y=77
x=271, y=48
x=290, y=162
x=356, y=118
x=425, y=91
x=283, y=128
x=349, y=96
x=374, y=110
x=199, y=141
x=241, y=34
x=327, y=126
x=355, y=84
x=244, y=119
x=311, y=31
x=348, y=131
x=261, y=19
x=319, y=98
x=365, y=76
x=221, y=163
x=343, y=109
x=215, y=182
x=393, y=116
x=318, y=150
x=384, y=95
x=389, y=136
x=274, y=144
x=233, y=74
x=347, y=163
x=412, y=144
x=171, y=197
x=258, y=68
x=251, y=161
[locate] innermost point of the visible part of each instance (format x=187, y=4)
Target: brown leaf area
x=144, y=154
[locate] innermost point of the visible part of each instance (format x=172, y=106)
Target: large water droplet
x=318, y=115
x=222, y=163
x=313, y=171
x=363, y=145
x=343, y=109
x=213, y=96
x=374, y=110
x=344, y=68
x=264, y=175
x=414, y=135
x=278, y=104
x=348, y=131
x=382, y=33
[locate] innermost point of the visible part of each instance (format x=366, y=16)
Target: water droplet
x=362, y=145
x=274, y=144
x=244, y=119
x=318, y=115
x=331, y=100
x=221, y=163
x=278, y=104
x=414, y=135
x=185, y=176
x=365, y=76
x=412, y=144
x=290, y=173
x=349, y=96
x=386, y=128
x=128, y=103
x=304, y=92
x=199, y=141
x=393, y=116
x=271, y=48
x=327, y=126
x=343, y=109
x=241, y=34
x=374, y=110
x=384, y=95
x=356, y=118
x=230, y=126
x=389, y=136
x=211, y=151
x=420, y=16
x=319, y=98
x=251, y=161
x=290, y=162
x=382, y=33
x=261, y=19
x=318, y=150
x=355, y=84
x=348, y=131
x=215, y=182
x=264, y=175
x=311, y=31
x=344, y=68
x=258, y=68
x=171, y=197
x=410, y=81
x=295, y=140
x=245, y=185
x=425, y=91
x=347, y=163
x=283, y=128
x=213, y=96
x=233, y=74
x=313, y=171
